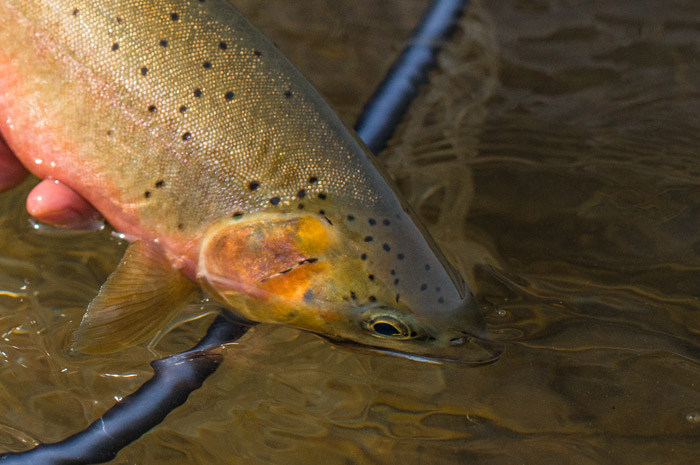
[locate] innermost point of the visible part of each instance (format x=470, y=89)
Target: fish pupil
x=386, y=329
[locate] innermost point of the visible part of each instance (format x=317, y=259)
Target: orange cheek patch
x=312, y=235
x=293, y=285
x=268, y=253
x=251, y=252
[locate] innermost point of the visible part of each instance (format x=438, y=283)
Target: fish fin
x=138, y=298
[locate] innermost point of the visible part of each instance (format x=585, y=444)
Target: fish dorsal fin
x=138, y=298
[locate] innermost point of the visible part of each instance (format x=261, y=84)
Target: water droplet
x=693, y=417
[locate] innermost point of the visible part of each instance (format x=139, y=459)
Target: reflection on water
x=554, y=156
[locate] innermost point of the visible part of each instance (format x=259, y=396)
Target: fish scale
x=227, y=131
x=198, y=140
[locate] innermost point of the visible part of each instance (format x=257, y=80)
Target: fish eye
x=386, y=329
x=387, y=326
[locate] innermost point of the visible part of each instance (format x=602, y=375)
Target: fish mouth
x=466, y=350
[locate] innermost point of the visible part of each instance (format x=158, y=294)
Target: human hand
x=50, y=201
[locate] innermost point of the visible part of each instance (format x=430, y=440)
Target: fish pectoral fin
x=138, y=298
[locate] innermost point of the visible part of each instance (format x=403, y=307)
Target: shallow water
x=553, y=155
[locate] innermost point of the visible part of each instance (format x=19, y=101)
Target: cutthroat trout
x=193, y=136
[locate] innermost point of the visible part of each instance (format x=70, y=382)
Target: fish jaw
x=460, y=338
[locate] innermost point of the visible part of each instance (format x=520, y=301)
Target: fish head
x=357, y=282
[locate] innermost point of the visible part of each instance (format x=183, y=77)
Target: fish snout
x=464, y=348
x=462, y=337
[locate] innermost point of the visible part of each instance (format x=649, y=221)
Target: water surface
x=554, y=156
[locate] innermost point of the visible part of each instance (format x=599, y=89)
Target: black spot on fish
x=275, y=200
x=386, y=222
x=223, y=45
x=300, y=206
x=322, y=212
x=441, y=300
x=393, y=272
x=152, y=109
x=313, y=180
x=363, y=256
x=174, y=16
x=437, y=289
x=75, y=12
x=372, y=221
x=386, y=247
x=206, y=65
x=110, y=132
x=353, y=296
x=371, y=277
x=423, y=287
x=253, y=185
x=187, y=136
x=287, y=94
x=163, y=43
x=351, y=218
x=198, y=93
x=257, y=53
x=396, y=281
x=397, y=297
x=147, y=194
x=228, y=95
x=182, y=109
x=369, y=238
x=118, y=19
x=301, y=194
x=180, y=226
x=400, y=256
x=372, y=298
x=115, y=47
x=144, y=71
x=322, y=196
x=160, y=184
x=237, y=214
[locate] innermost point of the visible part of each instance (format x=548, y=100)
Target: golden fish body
x=197, y=139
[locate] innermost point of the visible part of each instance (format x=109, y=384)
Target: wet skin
x=50, y=201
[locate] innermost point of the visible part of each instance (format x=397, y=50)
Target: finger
x=58, y=205
x=12, y=172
